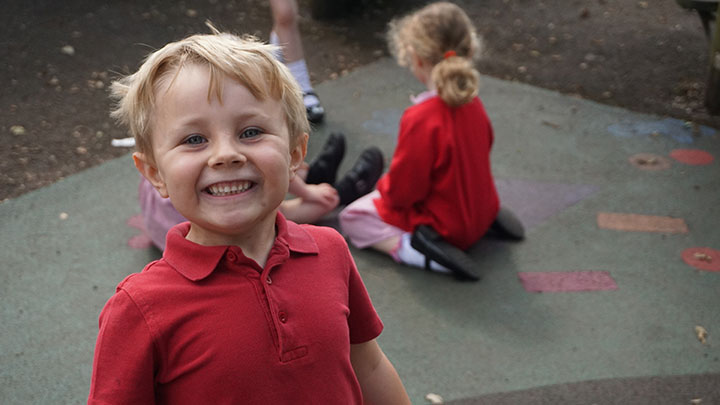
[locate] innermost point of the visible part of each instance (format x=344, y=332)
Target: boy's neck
x=255, y=244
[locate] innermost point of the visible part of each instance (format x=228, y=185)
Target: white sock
x=274, y=40
x=300, y=72
x=408, y=255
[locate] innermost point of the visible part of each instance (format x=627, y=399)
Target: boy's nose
x=226, y=155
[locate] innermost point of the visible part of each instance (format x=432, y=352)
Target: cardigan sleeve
x=123, y=367
x=408, y=180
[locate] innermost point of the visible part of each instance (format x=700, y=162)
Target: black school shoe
x=428, y=242
x=315, y=113
x=361, y=179
x=323, y=169
x=507, y=225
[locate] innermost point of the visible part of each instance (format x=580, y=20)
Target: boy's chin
x=231, y=230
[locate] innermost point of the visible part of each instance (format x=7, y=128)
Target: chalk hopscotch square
x=567, y=281
x=641, y=223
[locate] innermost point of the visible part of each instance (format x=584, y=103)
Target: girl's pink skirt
x=362, y=224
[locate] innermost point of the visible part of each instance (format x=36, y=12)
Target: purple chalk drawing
x=567, y=281
x=534, y=202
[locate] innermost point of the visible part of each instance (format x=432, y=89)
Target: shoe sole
x=508, y=225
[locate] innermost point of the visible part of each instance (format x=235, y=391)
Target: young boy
x=244, y=307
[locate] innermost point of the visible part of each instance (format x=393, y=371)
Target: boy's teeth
x=223, y=189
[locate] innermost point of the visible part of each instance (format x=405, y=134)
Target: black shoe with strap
x=428, y=242
x=323, y=169
x=361, y=179
x=315, y=112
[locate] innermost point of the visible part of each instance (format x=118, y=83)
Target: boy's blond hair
x=443, y=35
x=246, y=60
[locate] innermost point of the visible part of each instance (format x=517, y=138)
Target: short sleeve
x=364, y=322
x=123, y=366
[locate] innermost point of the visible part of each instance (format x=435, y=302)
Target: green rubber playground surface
x=612, y=298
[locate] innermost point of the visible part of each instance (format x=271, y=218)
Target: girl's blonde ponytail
x=455, y=80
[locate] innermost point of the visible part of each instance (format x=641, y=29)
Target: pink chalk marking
x=694, y=157
x=567, y=281
x=640, y=223
x=141, y=241
x=702, y=258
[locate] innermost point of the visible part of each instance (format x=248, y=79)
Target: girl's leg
x=287, y=32
x=362, y=224
x=388, y=246
x=285, y=27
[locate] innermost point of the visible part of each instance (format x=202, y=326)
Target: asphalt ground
x=612, y=297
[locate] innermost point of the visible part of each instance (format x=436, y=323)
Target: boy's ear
x=297, y=154
x=150, y=172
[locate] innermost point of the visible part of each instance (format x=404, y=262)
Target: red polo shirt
x=207, y=325
x=440, y=172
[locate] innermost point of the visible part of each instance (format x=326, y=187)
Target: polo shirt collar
x=294, y=236
x=195, y=262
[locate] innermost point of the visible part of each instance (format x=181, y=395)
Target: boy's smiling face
x=226, y=166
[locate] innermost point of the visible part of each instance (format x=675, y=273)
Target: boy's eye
x=250, y=133
x=194, y=139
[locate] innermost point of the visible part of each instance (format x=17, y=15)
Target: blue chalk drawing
x=384, y=122
x=676, y=129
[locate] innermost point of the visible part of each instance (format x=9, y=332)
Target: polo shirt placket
x=277, y=309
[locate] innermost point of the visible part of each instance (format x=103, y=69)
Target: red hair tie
x=449, y=54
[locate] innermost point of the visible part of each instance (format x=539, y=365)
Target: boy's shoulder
x=322, y=236
x=319, y=242
x=157, y=273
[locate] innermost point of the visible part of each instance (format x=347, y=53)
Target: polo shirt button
x=268, y=280
x=231, y=256
x=282, y=316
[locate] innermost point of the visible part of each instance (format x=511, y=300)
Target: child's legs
x=362, y=224
x=388, y=246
